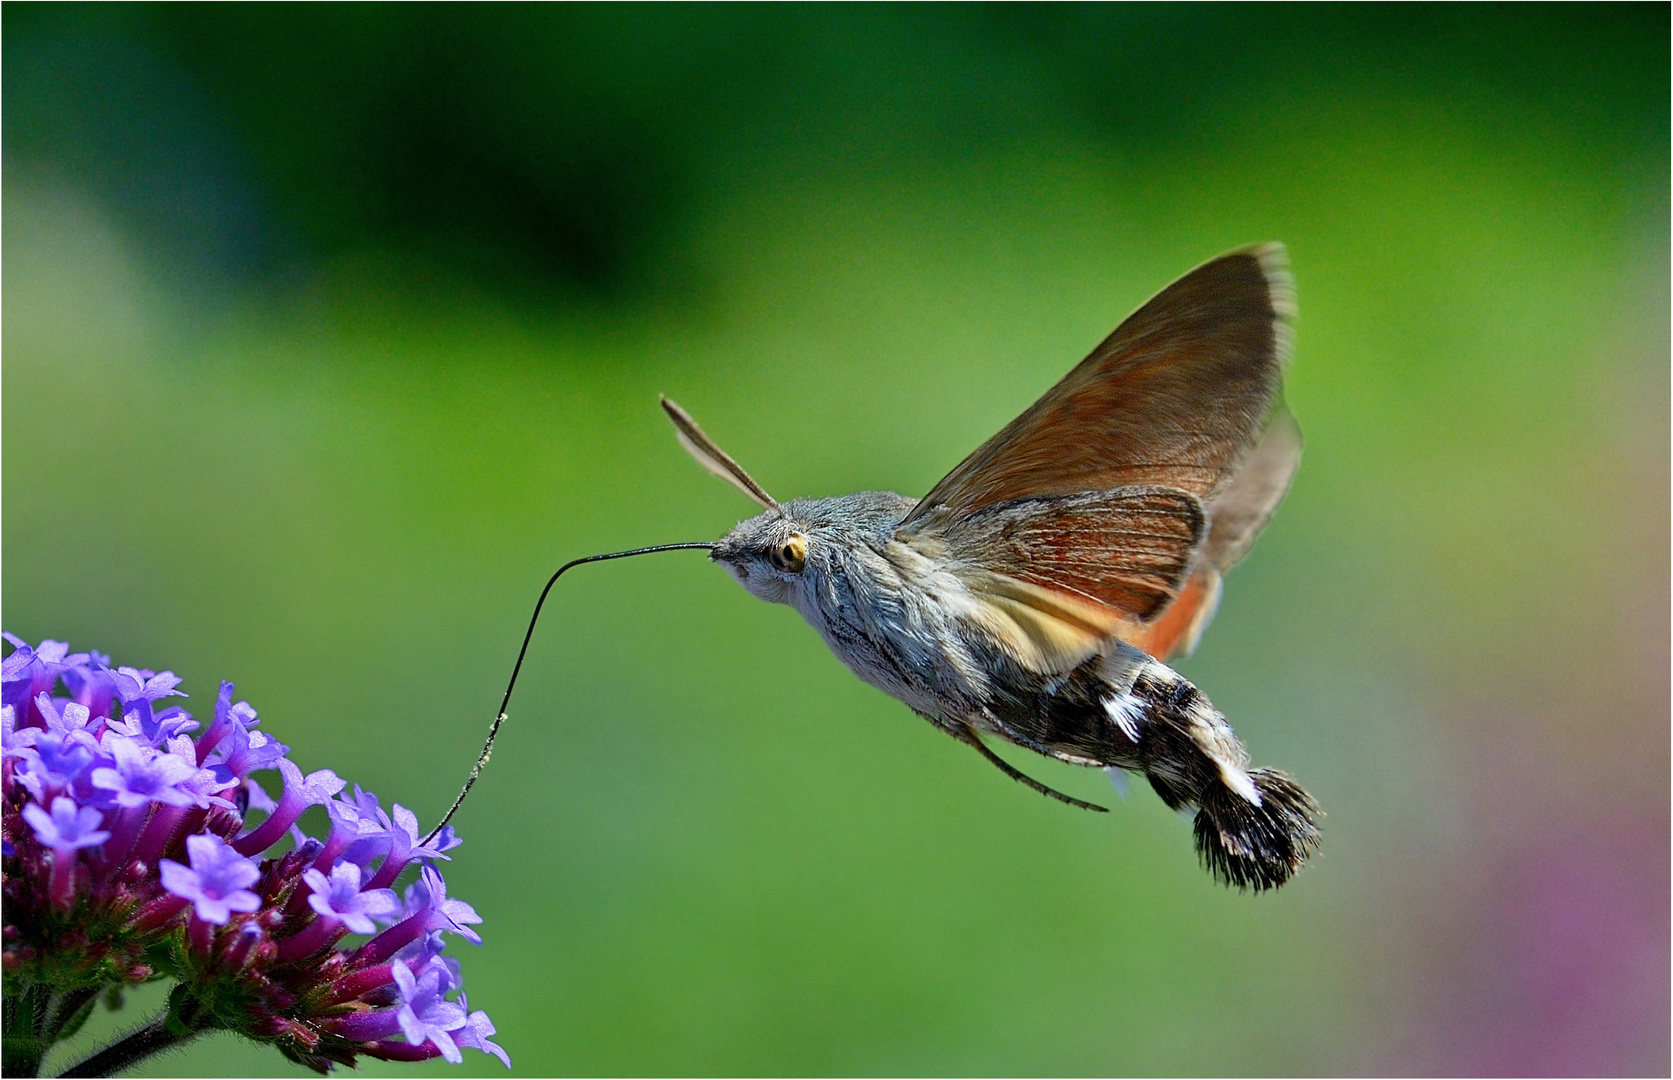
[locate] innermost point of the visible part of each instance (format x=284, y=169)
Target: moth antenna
x=1023, y=778
x=494, y=728
x=709, y=455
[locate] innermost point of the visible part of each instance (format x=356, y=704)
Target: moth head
x=771, y=555
x=768, y=553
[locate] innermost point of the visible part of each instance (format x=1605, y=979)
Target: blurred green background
x=330, y=331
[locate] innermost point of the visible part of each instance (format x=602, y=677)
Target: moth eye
x=791, y=555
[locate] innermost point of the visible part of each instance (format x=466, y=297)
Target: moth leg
x=1013, y=733
x=1021, y=777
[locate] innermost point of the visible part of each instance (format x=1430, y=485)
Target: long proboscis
x=505, y=702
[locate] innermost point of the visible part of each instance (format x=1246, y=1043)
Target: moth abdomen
x=1254, y=828
x=1257, y=846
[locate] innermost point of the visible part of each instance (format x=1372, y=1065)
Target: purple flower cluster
x=137, y=847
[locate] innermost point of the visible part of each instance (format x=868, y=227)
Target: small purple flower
x=66, y=828
x=72, y=717
x=476, y=1031
x=136, y=685
x=227, y=716
x=155, y=729
x=424, y=1015
x=339, y=897
x=142, y=775
x=53, y=760
x=62, y=754
x=407, y=822
x=405, y=845
x=217, y=883
x=423, y=950
x=372, y=841
x=204, y=785
x=429, y=895
x=368, y=806
x=348, y=826
x=301, y=792
x=92, y=683
x=29, y=672
x=139, y=690
x=256, y=752
x=242, y=752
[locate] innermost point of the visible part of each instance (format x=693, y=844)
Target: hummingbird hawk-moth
x=1037, y=592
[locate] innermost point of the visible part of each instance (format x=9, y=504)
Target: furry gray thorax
x=887, y=612
x=900, y=620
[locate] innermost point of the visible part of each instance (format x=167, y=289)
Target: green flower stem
x=127, y=1052
x=36, y=1018
x=23, y=1047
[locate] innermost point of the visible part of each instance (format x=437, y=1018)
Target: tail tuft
x=1257, y=847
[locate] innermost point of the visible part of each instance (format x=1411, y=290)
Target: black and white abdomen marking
x=1181, y=736
x=1254, y=827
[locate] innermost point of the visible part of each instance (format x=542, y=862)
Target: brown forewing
x=1173, y=397
x=1127, y=549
